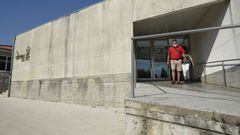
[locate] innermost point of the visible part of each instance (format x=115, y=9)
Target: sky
x=17, y=16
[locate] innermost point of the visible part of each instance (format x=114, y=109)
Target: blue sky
x=17, y=16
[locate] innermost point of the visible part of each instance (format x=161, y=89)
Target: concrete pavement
x=28, y=117
x=196, y=96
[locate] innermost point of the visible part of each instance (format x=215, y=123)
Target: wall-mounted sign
x=24, y=57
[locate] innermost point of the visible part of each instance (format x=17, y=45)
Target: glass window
x=8, y=66
x=143, y=50
x=2, y=65
x=143, y=60
x=3, y=58
x=161, y=71
x=9, y=58
x=160, y=50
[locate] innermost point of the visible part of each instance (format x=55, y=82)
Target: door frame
x=152, y=61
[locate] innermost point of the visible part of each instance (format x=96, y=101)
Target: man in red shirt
x=175, y=52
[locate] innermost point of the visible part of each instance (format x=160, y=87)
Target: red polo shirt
x=175, y=53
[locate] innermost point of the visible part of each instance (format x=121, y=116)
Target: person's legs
x=173, y=75
x=179, y=69
x=187, y=72
x=184, y=69
x=173, y=68
x=178, y=76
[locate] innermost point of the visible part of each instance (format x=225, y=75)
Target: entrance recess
x=151, y=57
x=135, y=66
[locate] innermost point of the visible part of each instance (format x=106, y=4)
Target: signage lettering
x=24, y=57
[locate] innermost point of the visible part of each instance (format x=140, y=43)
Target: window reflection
x=5, y=63
x=161, y=70
x=160, y=50
x=143, y=59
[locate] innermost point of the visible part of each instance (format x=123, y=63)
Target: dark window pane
x=143, y=60
x=8, y=66
x=143, y=50
x=160, y=50
x=2, y=65
x=3, y=58
x=143, y=69
x=9, y=58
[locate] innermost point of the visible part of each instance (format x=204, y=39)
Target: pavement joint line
x=158, y=87
x=149, y=95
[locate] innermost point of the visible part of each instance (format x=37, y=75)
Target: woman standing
x=187, y=63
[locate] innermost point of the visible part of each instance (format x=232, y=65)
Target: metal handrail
x=217, y=65
x=218, y=61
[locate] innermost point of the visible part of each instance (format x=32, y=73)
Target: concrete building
x=5, y=66
x=88, y=57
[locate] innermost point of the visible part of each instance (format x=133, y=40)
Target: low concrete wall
x=154, y=119
x=4, y=81
x=106, y=90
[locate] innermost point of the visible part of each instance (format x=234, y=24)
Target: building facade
x=5, y=66
x=88, y=57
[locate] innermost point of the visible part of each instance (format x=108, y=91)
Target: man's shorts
x=176, y=64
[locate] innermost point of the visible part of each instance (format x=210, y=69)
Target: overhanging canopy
x=186, y=32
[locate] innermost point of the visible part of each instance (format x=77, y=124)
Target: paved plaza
x=29, y=117
x=195, y=96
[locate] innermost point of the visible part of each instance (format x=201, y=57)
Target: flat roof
x=6, y=47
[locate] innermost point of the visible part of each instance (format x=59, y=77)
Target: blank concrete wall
x=82, y=58
x=93, y=41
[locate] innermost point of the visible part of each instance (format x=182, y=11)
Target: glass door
x=151, y=57
x=160, y=67
x=143, y=59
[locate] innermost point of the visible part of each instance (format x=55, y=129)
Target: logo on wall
x=24, y=57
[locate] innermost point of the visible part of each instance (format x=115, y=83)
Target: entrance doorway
x=151, y=57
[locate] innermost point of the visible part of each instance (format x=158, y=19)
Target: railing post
x=133, y=70
x=205, y=74
x=224, y=74
x=11, y=68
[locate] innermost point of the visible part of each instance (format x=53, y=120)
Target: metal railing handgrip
x=218, y=61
